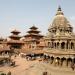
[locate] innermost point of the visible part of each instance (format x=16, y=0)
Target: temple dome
x=60, y=20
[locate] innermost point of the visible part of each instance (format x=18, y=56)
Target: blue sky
x=22, y=14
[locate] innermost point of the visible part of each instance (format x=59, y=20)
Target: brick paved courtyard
x=24, y=67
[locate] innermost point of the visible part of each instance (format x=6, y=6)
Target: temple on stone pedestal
x=60, y=40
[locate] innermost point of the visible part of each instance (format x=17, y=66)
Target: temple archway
x=69, y=61
x=57, y=58
x=63, y=60
x=57, y=44
x=72, y=45
x=57, y=61
x=63, y=45
x=49, y=44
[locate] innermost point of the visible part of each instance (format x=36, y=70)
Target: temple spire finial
x=59, y=11
x=59, y=8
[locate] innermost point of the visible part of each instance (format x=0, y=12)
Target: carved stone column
x=65, y=45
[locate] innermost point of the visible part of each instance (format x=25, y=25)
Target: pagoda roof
x=37, y=35
x=15, y=36
x=33, y=27
x=15, y=31
x=33, y=31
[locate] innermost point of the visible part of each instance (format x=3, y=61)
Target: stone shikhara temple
x=60, y=39
x=58, y=44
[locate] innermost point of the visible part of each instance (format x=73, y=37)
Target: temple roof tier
x=15, y=32
x=16, y=37
x=31, y=35
x=33, y=31
x=33, y=27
